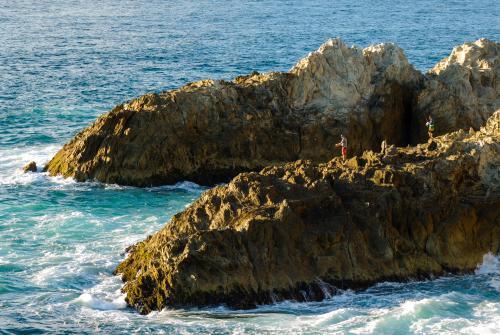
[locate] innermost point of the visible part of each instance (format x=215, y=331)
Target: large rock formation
x=301, y=229
x=211, y=130
x=462, y=90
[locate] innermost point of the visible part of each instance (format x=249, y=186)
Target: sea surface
x=63, y=63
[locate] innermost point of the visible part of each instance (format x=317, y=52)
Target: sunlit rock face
x=300, y=230
x=209, y=131
x=462, y=90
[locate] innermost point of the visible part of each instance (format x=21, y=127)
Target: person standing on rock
x=343, y=144
x=430, y=126
x=383, y=147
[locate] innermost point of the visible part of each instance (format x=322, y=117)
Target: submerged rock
x=300, y=230
x=209, y=131
x=30, y=167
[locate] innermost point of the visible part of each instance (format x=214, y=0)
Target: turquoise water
x=62, y=63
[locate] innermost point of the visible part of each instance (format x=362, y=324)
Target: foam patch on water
x=51, y=275
x=59, y=267
x=43, y=276
x=93, y=302
x=484, y=320
x=105, y=296
x=441, y=325
x=433, y=315
x=13, y=160
x=333, y=317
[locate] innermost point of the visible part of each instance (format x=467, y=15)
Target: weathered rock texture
x=300, y=229
x=462, y=90
x=29, y=167
x=209, y=131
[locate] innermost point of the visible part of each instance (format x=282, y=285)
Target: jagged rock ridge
x=209, y=131
x=299, y=230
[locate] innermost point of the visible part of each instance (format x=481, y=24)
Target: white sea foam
x=13, y=160
x=414, y=306
x=42, y=277
x=15, y=157
x=93, y=302
x=440, y=325
x=484, y=320
x=335, y=316
x=488, y=314
x=59, y=218
x=490, y=265
x=73, y=262
x=419, y=316
x=52, y=274
x=106, y=295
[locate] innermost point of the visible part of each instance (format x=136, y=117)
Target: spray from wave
x=490, y=267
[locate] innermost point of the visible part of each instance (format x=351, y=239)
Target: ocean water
x=62, y=63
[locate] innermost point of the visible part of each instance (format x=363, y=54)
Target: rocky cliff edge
x=209, y=131
x=302, y=230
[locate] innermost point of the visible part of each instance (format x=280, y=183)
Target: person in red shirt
x=343, y=145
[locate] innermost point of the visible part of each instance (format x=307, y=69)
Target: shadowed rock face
x=209, y=131
x=299, y=230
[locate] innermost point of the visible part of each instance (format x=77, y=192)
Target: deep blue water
x=62, y=63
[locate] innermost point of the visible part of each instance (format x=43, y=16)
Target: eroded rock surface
x=302, y=229
x=29, y=167
x=462, y=90
x=209, y=131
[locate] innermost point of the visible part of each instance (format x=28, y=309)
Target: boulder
x=211, y=130
x=302, y=230
x=29, y=167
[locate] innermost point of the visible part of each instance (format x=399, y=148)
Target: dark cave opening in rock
x=410, y=123
x=399, y=125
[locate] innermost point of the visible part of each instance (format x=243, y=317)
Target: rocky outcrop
x=367, y=94
x=211, y=130
x=462, y=90
x=301, y=230
x=29, y=167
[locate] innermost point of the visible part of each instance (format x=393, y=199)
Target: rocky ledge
x=302, y=230
x=209, y=131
